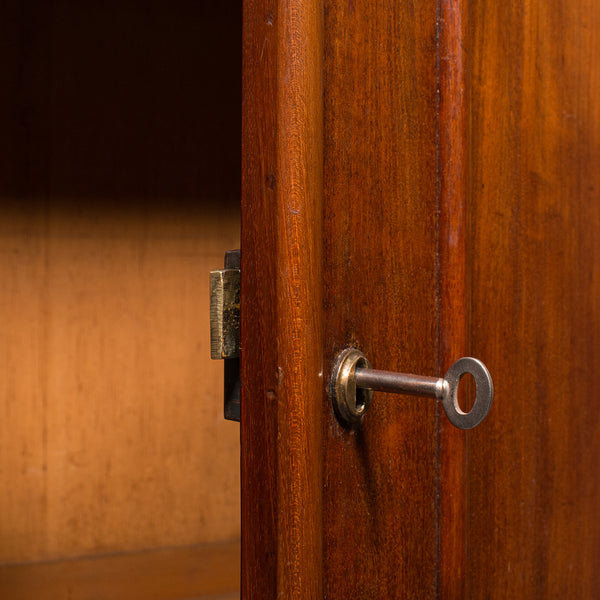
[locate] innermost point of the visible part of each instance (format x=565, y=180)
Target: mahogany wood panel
x=381, y=294
x=507, y=156
x=281, y=316
x=208, y=572
x=452, y=171
x=534, y=267
x=258, y=319
x=119, y=191
x=358, y=267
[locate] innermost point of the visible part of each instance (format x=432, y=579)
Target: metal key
x=353, y=382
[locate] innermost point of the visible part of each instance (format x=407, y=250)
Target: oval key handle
x=353, y=382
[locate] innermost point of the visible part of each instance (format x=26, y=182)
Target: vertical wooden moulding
x=281, y=323
x=299, y=304
x=258, y=427
x=452, y=287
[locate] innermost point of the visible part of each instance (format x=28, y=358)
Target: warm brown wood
x=119, y=191
x=281, y=328
x=113, y=437
x=258, y=318
x=199, y=572
x=460, y=216
x=534, y=259
x=380, y=486
x=452, y=171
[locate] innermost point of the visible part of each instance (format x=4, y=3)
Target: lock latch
x=225, y=328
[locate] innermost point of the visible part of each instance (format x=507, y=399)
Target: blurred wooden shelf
x=207, y=572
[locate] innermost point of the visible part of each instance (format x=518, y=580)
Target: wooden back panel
x=119, y=191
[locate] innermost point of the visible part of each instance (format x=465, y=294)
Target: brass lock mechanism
x=225, y=328
x=353, y=382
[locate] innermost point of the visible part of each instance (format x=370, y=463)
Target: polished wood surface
x=380, y=280
x=188, y=573
x=119, y=191
x=452, y=286
x=374, y=504
x=534, y=260
x=461, y=145
x=281, y=317
x=258, y=318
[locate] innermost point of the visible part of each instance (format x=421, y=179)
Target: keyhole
x=363, y=396
x=362, y=399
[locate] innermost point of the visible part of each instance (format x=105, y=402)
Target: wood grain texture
x=258, y=320
x=119, y=190
x=508, y=273
x=299, y=304
x=113, y=437
x=534, y=267
x=202, y=572
x=380, y=276
x=377, y=494
x=281, y=326
x=452, y=285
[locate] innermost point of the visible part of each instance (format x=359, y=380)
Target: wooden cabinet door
x=421, y=181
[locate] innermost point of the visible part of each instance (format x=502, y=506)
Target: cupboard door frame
x=296, y=55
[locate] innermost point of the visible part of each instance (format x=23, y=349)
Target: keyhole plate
x=349, y=401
